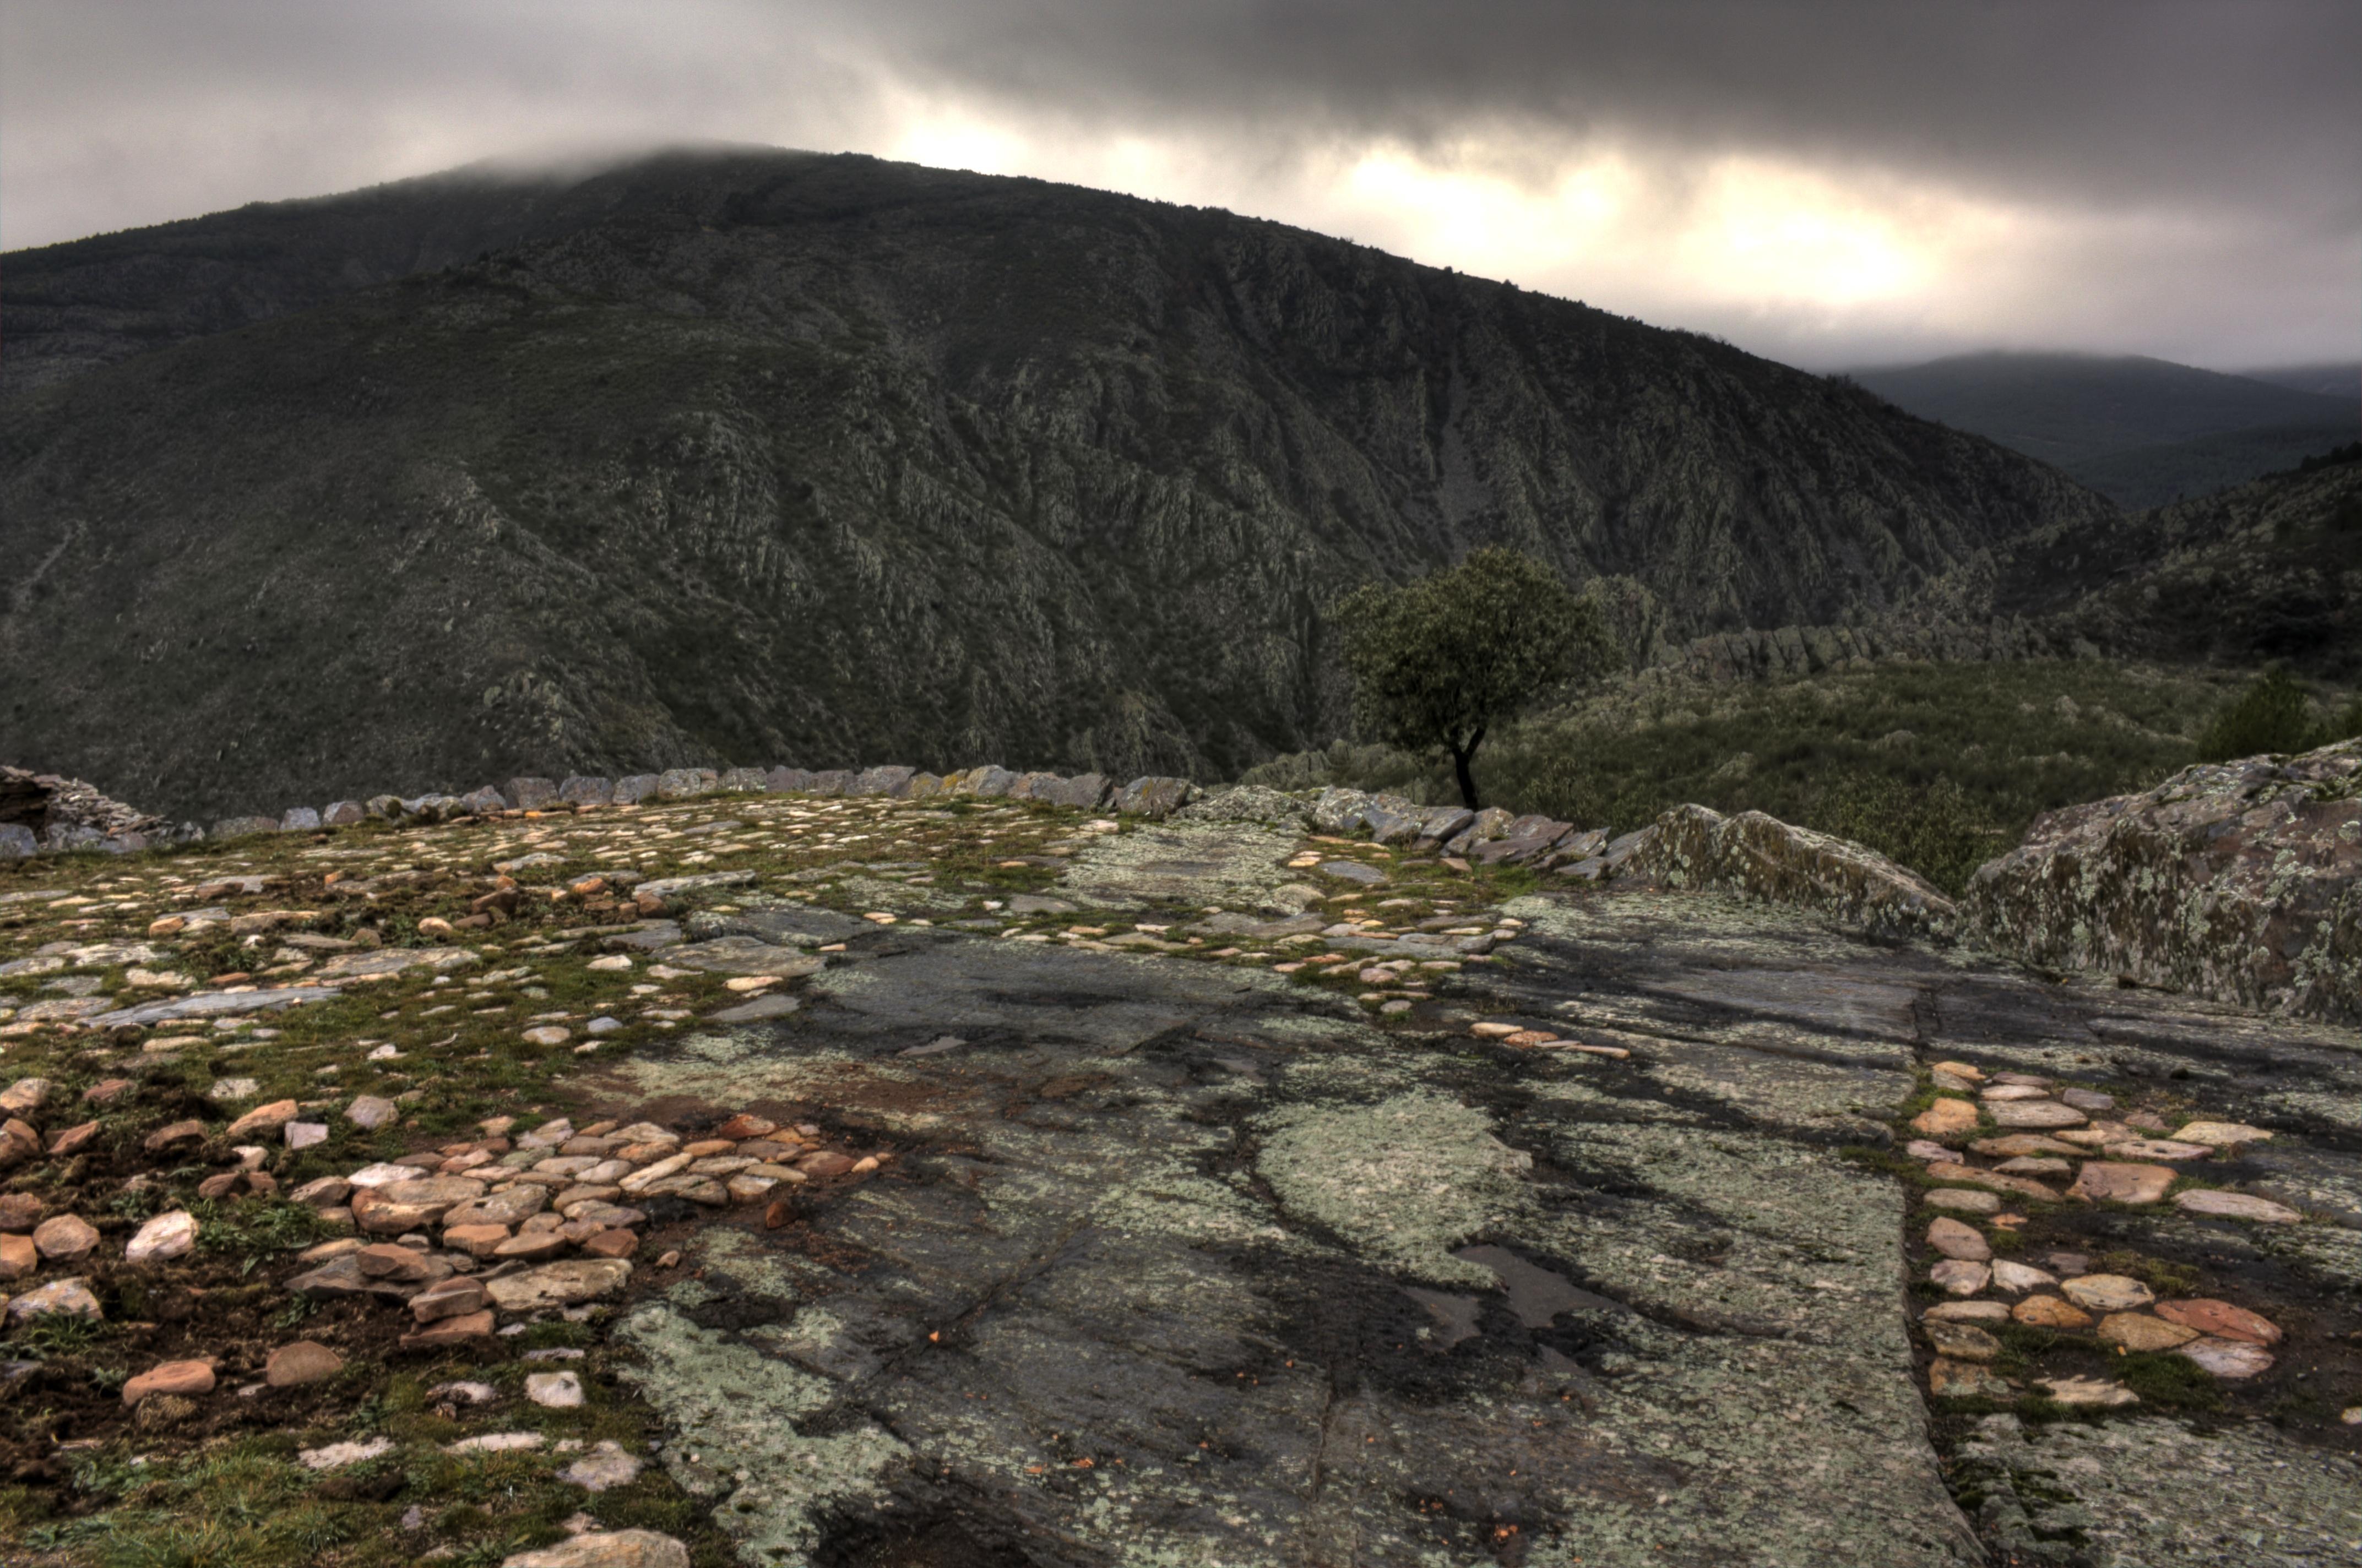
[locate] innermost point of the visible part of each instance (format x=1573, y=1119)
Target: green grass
x=2169, y=1381
x=1940, y=766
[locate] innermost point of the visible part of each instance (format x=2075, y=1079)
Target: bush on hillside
x=2274, y=715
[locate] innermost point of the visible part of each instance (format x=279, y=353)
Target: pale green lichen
x=736, y=1412
x=734, y=1254
x=1406, y=1179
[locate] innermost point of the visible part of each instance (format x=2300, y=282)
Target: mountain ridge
x=823, y=459
x=2144, y=431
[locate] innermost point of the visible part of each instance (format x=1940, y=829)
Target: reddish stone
x=2221, y=1320
x=74, y=1140
x=743, y=1126
x=305, y=1361
x=534, y=1245
x=106, y=1092
x=613, y=1243
x=220, y=1186
x=450, y=1332
x=825, y=1164
x=19, y=1211
x=174, y=1134
x=18, y=1257
x=452, y=1298
x=400, y=1264
x=476, y=1241
x=186, y=1379
x=20, y=1141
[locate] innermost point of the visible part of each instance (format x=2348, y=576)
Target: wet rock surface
x=1198, y=1266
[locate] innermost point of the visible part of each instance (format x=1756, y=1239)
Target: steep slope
x=770, y=457
x=2143, y=431
x=2271, y=570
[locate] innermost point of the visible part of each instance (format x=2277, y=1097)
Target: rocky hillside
x=738, y=456
x=2271, y=570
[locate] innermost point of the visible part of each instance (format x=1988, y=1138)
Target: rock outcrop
x=2236, y=881
x=1763, y=858
x=45, y=811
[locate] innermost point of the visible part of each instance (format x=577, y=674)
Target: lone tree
x=1438, y=662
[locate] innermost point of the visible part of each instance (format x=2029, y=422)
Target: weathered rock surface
x=2236, y=881
x=1759, y=857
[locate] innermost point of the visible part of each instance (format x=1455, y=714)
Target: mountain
x=2337, y=379
x=2270, y=570
x=744, y=455
x=2142, y=432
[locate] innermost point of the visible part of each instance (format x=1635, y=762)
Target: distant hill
x=2341, y=379
x=744, y=455
x=2270, y=570
x=2143, y=431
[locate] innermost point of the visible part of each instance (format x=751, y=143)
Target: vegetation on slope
x=1940, y=766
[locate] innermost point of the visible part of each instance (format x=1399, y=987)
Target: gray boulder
x=1763, y=858
x=787, y=780
x=344, y=814
x=1391, y=819
x=1338, y=811
x=580, y=789
x=1441, y=824
x=2240, y=880
x=991, y=782
x=746, y=781
x=16, y=841
x=484, y=801
x=1084, y=792
x=1246, y=802
x=890, y=782
x=298, y=820
x=1028, y=786
x=632, y=790
x=532, y=794
x=687, y=784
x=833, y=781
x=384, y=807
x=239, y=826
x=1154, y=796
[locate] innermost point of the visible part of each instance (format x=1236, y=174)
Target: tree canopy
x=1438, y=662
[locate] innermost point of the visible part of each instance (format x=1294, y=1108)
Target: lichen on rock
x=2236, y=881
x=1763, y=858
x=1406, y=1179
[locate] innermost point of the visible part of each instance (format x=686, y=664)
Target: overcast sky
x=1829, y=183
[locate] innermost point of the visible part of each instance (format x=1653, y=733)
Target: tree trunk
x=1459, y=759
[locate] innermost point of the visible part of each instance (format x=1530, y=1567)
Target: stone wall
x=1150, y=796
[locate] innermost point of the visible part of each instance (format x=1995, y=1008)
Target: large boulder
x=1763, y=858
x=2237, y=881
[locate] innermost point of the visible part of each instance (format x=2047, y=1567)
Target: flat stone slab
x=1534, y=1286
x=2218, y=1204
x=745, y=955
x=212, y=1004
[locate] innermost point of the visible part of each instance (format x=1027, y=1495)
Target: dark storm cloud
x=2172, y=175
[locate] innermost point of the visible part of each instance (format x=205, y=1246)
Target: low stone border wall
x=1149, y=795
